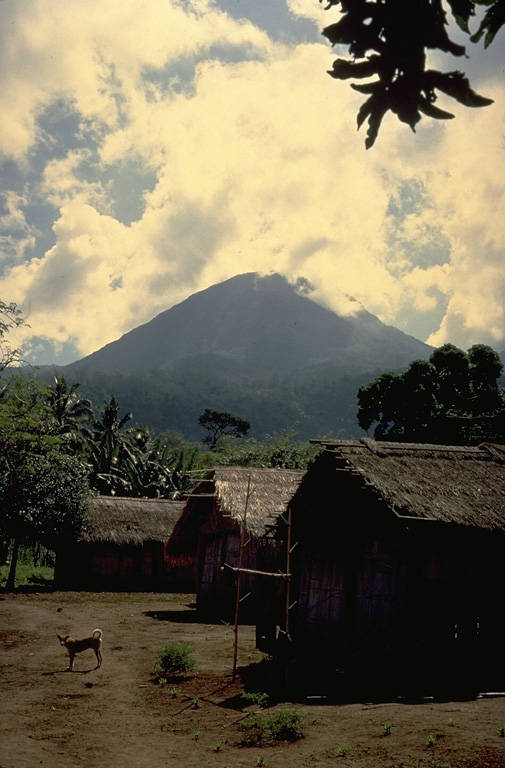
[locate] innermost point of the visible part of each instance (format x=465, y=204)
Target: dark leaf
x=366, y=87
x=455, y=84
x=344, y=69
x=428, y=108
x=491, y=23
x=462, y=10
x=374, y=109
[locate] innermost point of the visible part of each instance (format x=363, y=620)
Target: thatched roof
x=130, y=521
x=270, y=491
x=225, y=489
x=449, y=484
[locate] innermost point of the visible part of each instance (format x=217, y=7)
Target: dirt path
x=117, y=717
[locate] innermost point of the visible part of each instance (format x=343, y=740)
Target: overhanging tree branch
x=388, y=40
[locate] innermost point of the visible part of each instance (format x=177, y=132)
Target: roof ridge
x=385, y=447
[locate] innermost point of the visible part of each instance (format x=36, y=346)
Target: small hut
x=397, y=569
x=120, y=547
x=209, y=540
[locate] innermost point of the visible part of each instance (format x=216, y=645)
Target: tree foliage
x=42, y=490
x=52, y=499
x=221, y=423
x=72, y=412
x=387, y=42
x=110, y=446
x=452, y=398
x=281, y=451
x=10, y=318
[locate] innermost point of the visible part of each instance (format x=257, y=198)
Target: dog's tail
x=97, y=633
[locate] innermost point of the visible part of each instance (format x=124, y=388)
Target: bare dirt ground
x=116, y=716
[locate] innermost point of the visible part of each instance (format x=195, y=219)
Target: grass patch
x=29, y=576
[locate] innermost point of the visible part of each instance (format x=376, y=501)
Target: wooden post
x=288, y=574
x=239, y=577
x=288, y=596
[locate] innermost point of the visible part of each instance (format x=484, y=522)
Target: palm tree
x=71, y=412
x=111, y=447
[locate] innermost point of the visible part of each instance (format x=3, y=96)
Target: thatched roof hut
x=121, y=546
x=448, y=484
x=206, y=537
x=400, y=546
x=122, y=521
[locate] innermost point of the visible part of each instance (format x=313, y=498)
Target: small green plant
x=176, y=659
x=218, y=745
x=341, y=751
x=260, y=760
x=442, y=765
x=387, y=729
x=284, y=725
x=256, y=698
x=174, y=692
x=450, y=721
x=196, y=735
x=501, y=730
x=162, y=681
x=431, y=741
x=196, y=703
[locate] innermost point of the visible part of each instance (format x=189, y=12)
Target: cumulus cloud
x=17, y=235
x=308, y=9
x=192, y=146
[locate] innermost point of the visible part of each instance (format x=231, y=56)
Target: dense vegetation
x=454, y=398
x=312, y=404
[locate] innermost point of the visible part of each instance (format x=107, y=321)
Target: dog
x=74, y=645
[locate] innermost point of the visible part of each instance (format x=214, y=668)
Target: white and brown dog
x=74, y=645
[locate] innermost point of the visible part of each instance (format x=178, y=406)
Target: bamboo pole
x=254, y=572
x=239, y=577
x=288, y=573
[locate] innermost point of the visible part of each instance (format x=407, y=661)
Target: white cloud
x=310, y=10
x=17, y=236
x=255, y=165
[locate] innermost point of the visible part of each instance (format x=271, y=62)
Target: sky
x=149, y=150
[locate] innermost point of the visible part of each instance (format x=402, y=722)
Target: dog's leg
x=98, y=655
x=71, y=657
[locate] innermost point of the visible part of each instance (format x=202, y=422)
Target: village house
x=121, y=547
x=396, y=555
x=210, y=541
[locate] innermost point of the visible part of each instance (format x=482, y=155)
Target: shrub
x=261, y=728
x=256, y=698
x=175, y=659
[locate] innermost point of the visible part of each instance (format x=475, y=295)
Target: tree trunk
x=11, y=579
x=4, y=550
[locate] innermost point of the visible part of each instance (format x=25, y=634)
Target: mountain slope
x=258, y=326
